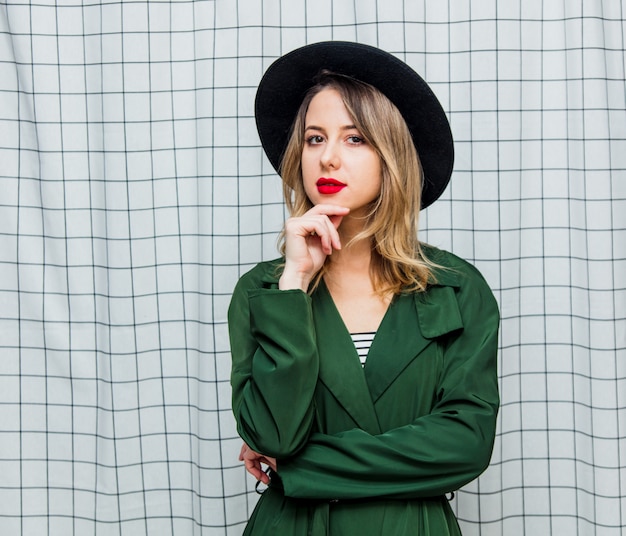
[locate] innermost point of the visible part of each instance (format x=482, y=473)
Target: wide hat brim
x=287, y=80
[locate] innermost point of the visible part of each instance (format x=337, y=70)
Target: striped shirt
x=362, y=343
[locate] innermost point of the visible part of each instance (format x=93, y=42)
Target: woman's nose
x=330, y=156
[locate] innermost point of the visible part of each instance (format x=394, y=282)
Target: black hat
x=287, y=80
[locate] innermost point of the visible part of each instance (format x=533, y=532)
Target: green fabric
x=365, y=450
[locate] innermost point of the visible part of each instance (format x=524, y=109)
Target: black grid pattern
x=134, y=193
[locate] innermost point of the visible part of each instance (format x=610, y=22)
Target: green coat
x=365, y=450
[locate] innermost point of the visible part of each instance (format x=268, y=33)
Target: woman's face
x=338, y=166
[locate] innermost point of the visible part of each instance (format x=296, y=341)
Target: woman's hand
x=309, y=239
x=253, y=460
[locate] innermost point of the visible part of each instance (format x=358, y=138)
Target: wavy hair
x=398, y=262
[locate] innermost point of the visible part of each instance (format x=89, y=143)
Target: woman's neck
x=348, y=278
x=354, y=257
x=353, y=261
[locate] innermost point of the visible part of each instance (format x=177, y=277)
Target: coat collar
x=340, y=368
x=409, y=326
x=412, y=321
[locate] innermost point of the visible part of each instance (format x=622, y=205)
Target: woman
x=369, y=441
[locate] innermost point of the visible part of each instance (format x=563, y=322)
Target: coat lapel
x=340, y=368
x=412, y=322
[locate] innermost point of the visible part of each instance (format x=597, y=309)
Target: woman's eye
x=314, y=140
x=355, y=140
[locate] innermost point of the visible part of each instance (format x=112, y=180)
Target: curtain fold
x=134, y=193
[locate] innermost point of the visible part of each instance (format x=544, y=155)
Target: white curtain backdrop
x=134, y=193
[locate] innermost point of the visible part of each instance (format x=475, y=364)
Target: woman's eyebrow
x=321, y=129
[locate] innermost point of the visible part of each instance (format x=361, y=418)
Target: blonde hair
x=398, y=262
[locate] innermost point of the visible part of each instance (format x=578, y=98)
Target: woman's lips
x=327, y=186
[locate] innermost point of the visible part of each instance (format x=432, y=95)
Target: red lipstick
x=328, y=186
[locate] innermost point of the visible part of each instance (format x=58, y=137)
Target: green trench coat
x=365, y=450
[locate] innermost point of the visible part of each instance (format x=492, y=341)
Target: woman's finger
x=328, y=210
x=332, y=214
x=321, y=226
x=254, y=468
x=252, y=462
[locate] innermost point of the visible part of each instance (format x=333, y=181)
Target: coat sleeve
x=436, y=453
x=274, y=366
